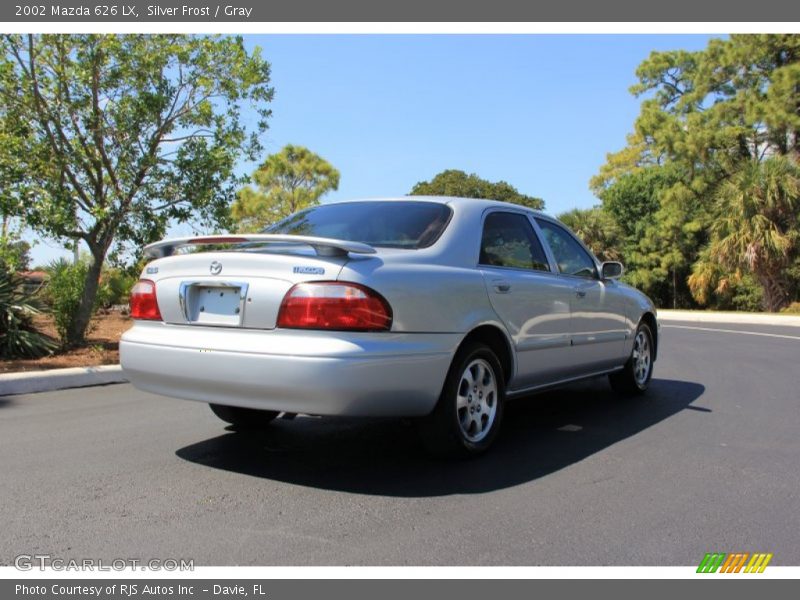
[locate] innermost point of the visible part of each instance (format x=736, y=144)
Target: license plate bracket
x=213, y=303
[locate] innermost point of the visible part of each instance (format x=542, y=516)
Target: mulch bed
x=102, y=347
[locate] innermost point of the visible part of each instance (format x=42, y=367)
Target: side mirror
x=611, y=270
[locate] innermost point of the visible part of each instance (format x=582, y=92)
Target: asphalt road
x=708, y=461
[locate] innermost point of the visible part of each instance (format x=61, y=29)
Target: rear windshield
x=395, y=224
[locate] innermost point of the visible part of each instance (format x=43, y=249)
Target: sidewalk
x=703, y=316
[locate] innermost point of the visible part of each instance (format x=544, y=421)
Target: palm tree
x=597, y=230
x=756, y=228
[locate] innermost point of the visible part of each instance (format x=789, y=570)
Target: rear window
x=395, y=224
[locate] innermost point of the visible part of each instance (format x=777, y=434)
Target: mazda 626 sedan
x=437, y=308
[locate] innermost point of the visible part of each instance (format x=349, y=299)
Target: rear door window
x=508, y=240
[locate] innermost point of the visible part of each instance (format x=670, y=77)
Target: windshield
x=388, y=224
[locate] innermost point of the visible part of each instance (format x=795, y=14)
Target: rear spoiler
x=322, y=246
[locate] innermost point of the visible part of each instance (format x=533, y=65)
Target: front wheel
x=634, y=378
x=467, y=417
x=244, y=418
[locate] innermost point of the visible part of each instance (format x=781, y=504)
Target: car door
x=532, y=301
x=598, y=326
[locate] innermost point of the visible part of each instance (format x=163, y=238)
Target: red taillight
x=334, y=305
x=143, y=301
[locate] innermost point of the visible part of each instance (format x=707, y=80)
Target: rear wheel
x=467, y=417
x=635, y=377
x=244, y=418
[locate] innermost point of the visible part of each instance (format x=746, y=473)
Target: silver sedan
x=437, y=308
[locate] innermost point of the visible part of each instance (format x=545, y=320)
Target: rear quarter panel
x=430, y=298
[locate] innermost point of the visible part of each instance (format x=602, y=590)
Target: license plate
x=213, y=305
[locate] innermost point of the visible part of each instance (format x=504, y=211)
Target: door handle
x=501, y=287
x=580, y=293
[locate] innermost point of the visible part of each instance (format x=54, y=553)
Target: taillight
x=334, y=305
x=143, y=301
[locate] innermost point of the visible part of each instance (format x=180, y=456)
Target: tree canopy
x=709, y=120
x=108, y=138
x=458, y=183
x=290, y=180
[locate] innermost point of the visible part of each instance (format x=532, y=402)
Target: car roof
x=455, y=201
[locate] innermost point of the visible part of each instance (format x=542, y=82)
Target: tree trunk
x=776, y=294
x=674, y=288
x=76, y=333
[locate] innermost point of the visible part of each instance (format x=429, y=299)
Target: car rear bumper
x=314, y=372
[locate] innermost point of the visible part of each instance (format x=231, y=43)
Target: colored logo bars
x=735, y=562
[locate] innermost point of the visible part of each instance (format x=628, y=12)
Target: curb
x=696, y=316
x=30, y=382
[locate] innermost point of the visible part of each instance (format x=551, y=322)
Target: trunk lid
x=234, y=289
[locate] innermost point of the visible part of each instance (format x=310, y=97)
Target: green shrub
x=115, y=287
x=747, y=295
x=18, y=338
x=64, y=291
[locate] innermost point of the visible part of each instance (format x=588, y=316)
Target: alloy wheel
x=476, y=400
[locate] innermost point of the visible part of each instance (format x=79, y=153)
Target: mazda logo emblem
x=215, y=268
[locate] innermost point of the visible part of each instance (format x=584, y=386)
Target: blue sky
x=538, y=111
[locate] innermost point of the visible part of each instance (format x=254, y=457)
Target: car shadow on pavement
x=541, y=435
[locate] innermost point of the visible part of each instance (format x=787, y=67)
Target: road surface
x=708, y=461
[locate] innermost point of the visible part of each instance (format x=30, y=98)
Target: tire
x=244, y=418
x=466, y=421
x=635, y=377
